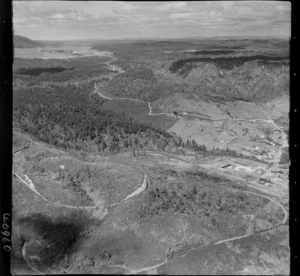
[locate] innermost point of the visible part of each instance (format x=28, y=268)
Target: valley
x=124, y=165
x=258, y=143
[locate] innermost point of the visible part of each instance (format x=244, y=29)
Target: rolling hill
x=24, y=42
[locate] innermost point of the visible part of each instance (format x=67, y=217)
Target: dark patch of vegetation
x=196, y=175
x=137, y=83
x=226, y=63
x=261, y=40
x=214, y=52
x=285, y=157
x=266, y=180
x=203, y=194
x=37, y=71
x=73, y=119
x=274, y=63
x=240, y=99
x=231, y=47
x=19, y=142
x=140, y=72
x=202, y=150
x=75, y=69
x=74, y=180
x=159, y=42
x=205, y=202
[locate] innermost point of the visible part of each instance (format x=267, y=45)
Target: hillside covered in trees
x=36, y=71
x=70, y=118
x=224, y=70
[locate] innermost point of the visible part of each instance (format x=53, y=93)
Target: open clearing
x=154, y=240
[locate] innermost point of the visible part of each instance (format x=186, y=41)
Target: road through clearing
x=150, y=113
x=28, y=182
x=31, y=186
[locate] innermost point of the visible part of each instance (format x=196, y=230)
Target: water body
x=58, y=52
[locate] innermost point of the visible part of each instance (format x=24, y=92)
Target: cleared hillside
x=184, y=213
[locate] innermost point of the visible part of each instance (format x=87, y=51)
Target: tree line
x=227, y=63
x=71, y=118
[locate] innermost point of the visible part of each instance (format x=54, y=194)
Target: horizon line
x=165, y=38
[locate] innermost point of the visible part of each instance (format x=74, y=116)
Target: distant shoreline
x=58, y=52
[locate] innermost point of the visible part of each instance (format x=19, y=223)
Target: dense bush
x=148, y=77
x=59, y=70
x=226, y=63
x=70, y=118
x=213, y=52
x=191, y=200
x=40, y=70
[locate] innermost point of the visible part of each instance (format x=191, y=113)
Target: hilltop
x=24, y=42
x=129, y=214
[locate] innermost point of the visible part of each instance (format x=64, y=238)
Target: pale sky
x=58, y=20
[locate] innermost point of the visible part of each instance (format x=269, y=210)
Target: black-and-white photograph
x=151, y=137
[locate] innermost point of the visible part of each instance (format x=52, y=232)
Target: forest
x=157, y=70
x=70, y=116
x=214, y=52
x=59, y=70
x=72, y=119
x=226, y=63
x=194, y=199
x=37, y=71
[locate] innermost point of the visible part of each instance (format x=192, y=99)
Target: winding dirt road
x=277, y=156
x=120, y=71
x=28, y=182
x=31, y=185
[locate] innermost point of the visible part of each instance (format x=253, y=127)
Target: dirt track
x=29, y=183
x=277, y=156
x=31, y=186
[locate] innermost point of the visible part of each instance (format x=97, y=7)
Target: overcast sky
x=55, y=20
